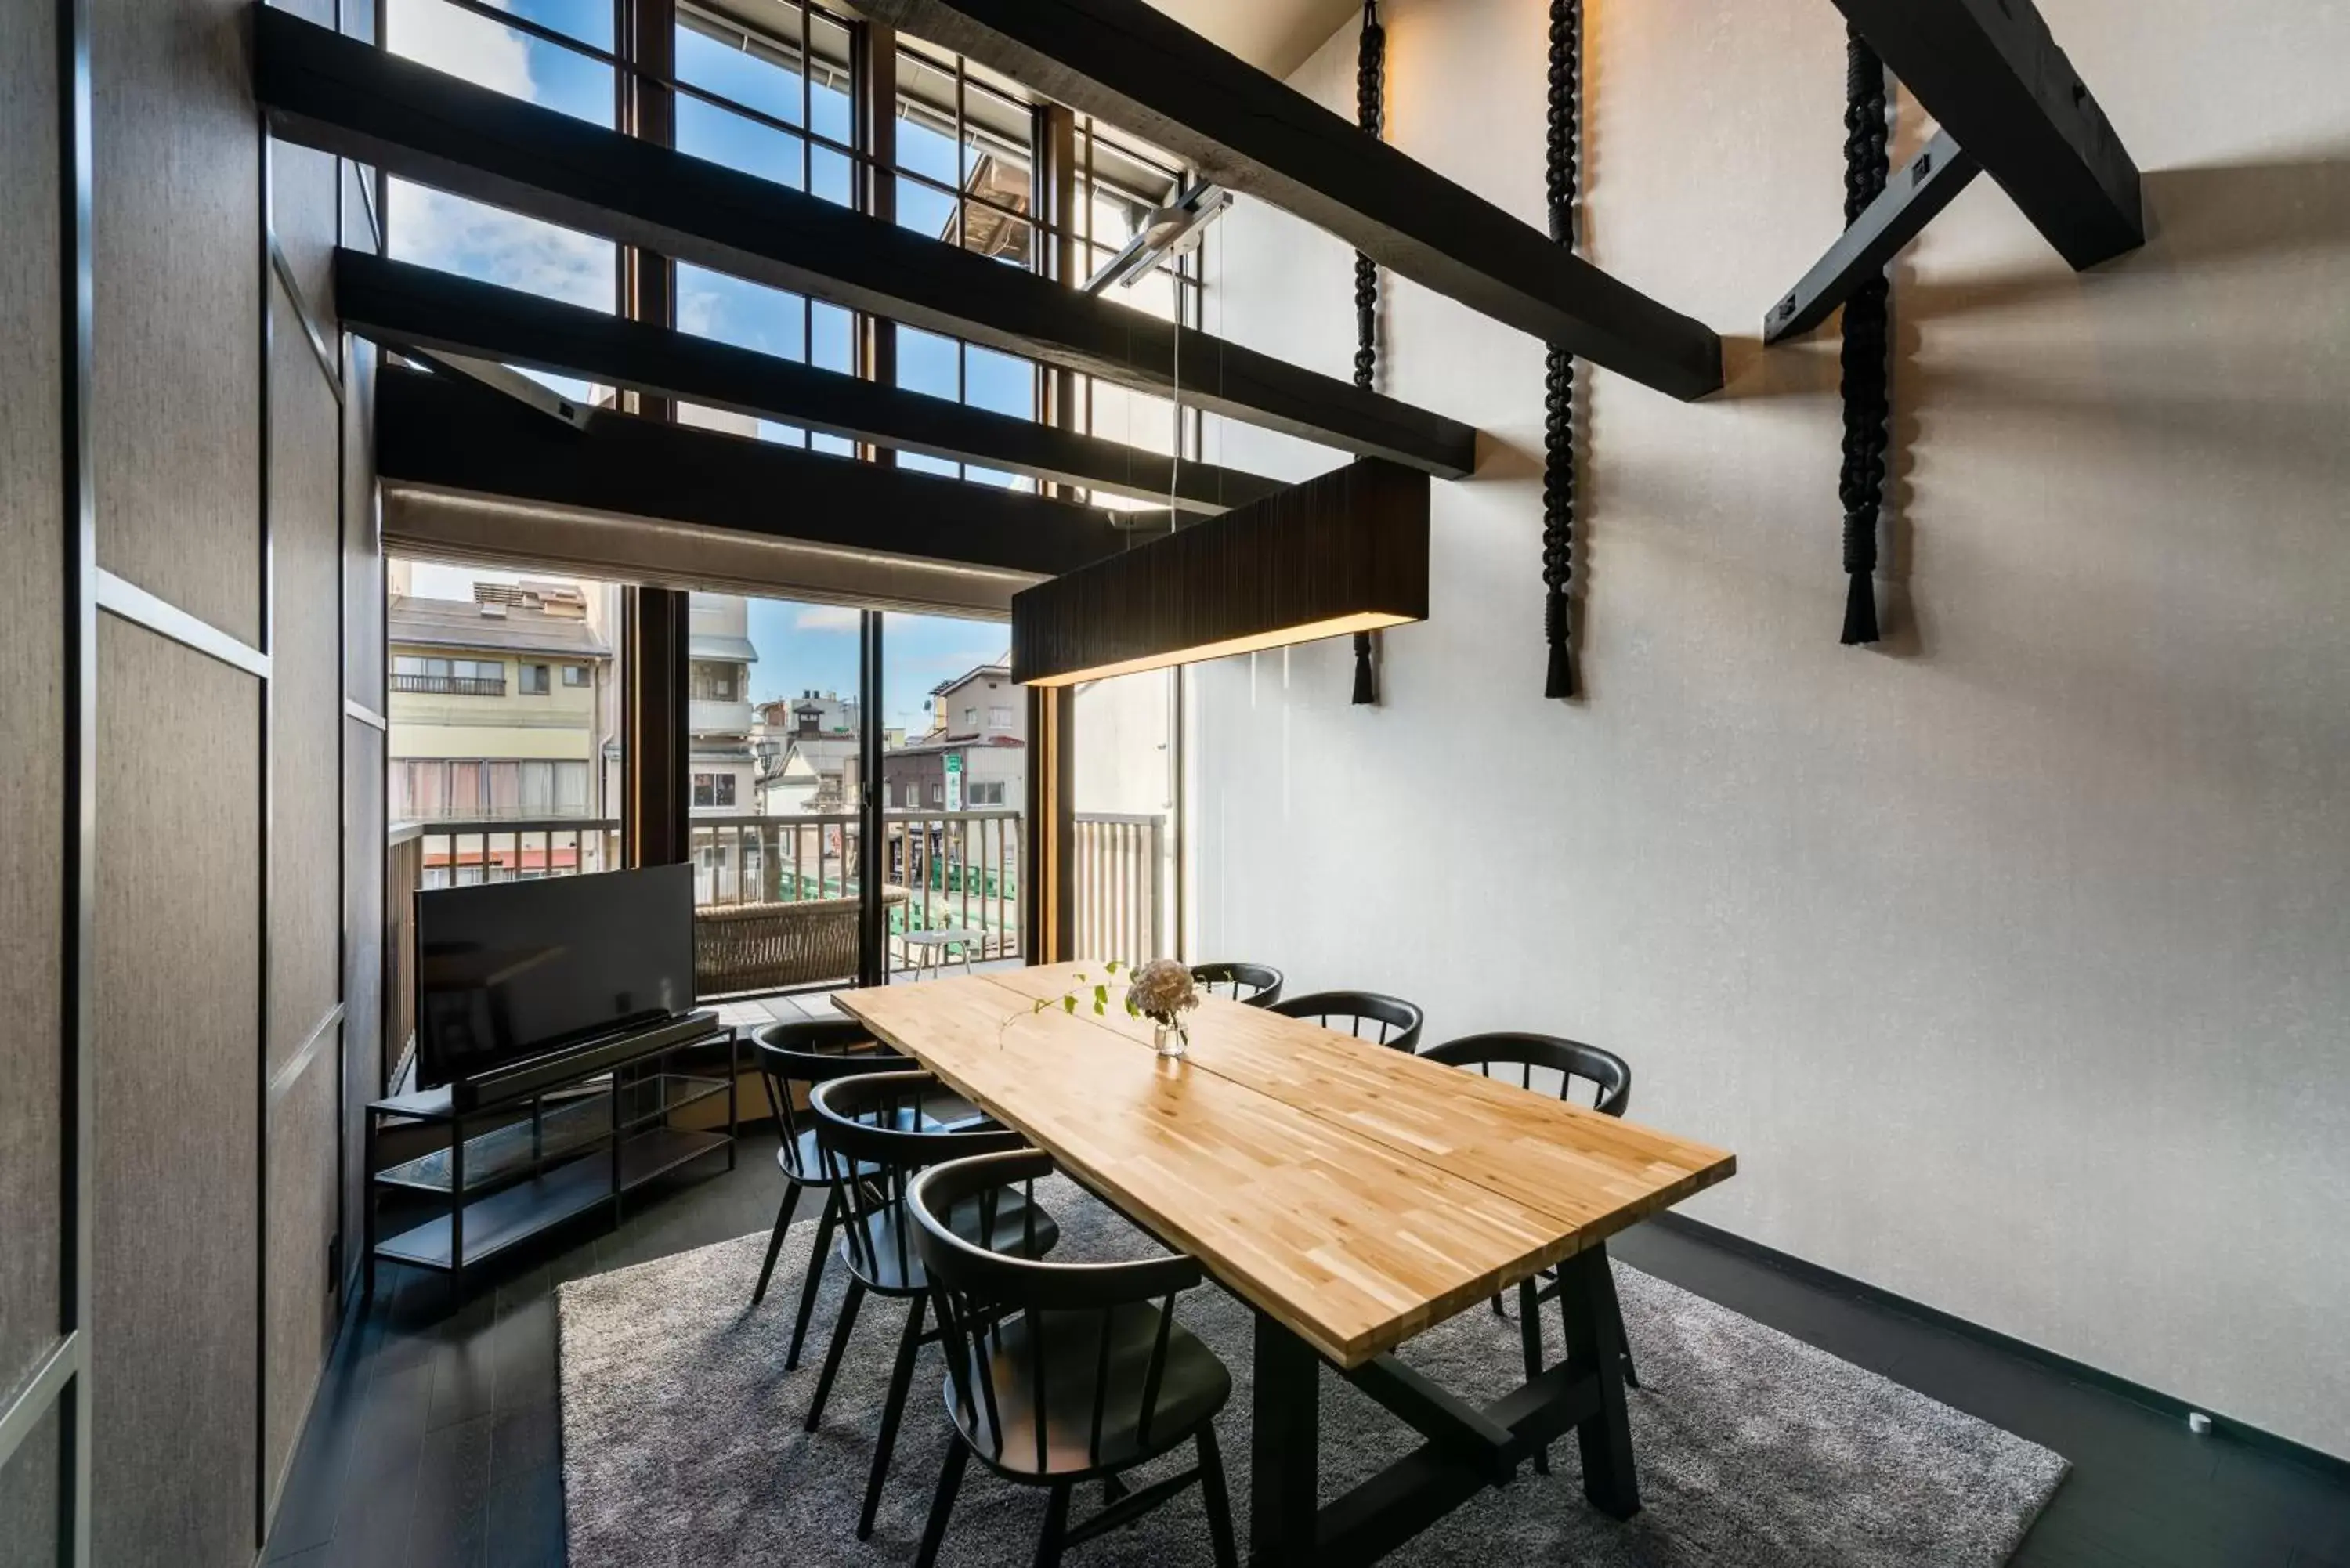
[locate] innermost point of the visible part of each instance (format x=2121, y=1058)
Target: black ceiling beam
x=1990, y=73
x=454, y=434
x=423, y=310
x=1152, y=77
x=1907, y=204
x=321, y=89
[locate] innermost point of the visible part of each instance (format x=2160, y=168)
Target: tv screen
x=516, y=969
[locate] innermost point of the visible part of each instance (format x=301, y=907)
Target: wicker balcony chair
x=740, y=948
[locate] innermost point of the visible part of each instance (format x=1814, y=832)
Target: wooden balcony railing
x=451, y=685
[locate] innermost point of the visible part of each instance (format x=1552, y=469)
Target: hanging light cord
x=1861, y=484
x=1562, y=169
x=1370, y=84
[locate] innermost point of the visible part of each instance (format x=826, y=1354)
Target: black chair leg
x=893, y=1409
x=842, y=1327
x=818, y=1255
x=1056, y=1528
x=941, y=1503
x=1220, y=1503
x=775, y=1242
x=1530, y=1335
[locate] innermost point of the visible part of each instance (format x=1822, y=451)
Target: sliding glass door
x=953, y=793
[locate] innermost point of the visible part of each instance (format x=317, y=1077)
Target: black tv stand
x=585, y=1144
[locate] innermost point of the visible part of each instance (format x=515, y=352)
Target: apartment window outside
x=971, y=717
x=574, y=675
x=999, y=717
x=988, y=793
x=716, y=683
x=447, y=677
x=534, y=683
x=713, y=789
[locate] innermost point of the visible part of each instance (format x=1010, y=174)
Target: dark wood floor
x=434, y=1442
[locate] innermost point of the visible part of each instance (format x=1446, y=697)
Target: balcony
x=707, y=717
x=957, y=869
x=450, y=685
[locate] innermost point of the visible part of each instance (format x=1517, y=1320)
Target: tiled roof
x=459, y=623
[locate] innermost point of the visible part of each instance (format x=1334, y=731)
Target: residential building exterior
x=719, y=716
x=806, y=748
x=975, y=756
x=493, y=704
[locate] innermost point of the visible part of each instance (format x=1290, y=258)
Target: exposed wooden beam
x=1150, y=74
x=345, y=97
x=456, y=435
x=405, y=306
x=1991, y=72
x=1907, y=203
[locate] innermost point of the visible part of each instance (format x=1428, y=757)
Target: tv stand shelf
x=563, y=1148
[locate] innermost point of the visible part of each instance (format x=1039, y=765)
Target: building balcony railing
x=451, y=685
x=955, y=869
x=708, y=716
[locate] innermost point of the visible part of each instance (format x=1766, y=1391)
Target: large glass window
x=965, y=176
x=492, y=787
x=542, y=54
x=959, y=791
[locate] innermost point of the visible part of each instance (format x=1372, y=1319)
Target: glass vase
x=1172, y=1040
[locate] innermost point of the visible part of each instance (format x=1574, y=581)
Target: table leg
x=1594, y=1348
x=1285, y=1444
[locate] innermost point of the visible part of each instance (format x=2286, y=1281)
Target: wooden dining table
x=1353, y=1196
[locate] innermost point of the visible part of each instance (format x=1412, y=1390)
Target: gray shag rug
x=683, y=1442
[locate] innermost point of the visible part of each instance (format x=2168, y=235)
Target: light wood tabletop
x=1356, y=1194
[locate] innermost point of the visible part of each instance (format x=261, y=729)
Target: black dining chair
x=875, y=1134
x=1398, y=1021
x=1258, y=984
x=795, y=1058
x=1058, y=1374
x=1551, y=1064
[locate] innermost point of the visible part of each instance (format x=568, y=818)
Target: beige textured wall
x=32, y=696
x=2011, y=956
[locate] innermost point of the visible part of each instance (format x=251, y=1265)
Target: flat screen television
x=511, y=971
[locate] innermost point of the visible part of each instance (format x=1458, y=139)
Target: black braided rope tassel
x=1563, y=172
x=1866, y=409
x=1370, y=92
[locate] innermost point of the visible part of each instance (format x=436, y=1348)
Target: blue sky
x=800, y=646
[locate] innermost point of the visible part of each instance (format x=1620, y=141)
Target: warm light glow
x=1285, y=637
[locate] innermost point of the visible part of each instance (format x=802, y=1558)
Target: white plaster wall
x=2012, y=956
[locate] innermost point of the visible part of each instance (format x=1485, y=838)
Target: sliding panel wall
x=176, y=439
x=176, y=867
x=34, y=1217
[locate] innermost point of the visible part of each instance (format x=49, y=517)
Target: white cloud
x=463, y=44
x=825, y=618
x=440, y=230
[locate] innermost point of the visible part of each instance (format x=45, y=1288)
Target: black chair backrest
x=979, y=1292
x=873, y=1138
x=1396, y=1022
x=1609, y=1074
x=812, y=1052
x=1258, y=984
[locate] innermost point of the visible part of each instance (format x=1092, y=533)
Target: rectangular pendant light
x=1344, y=553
